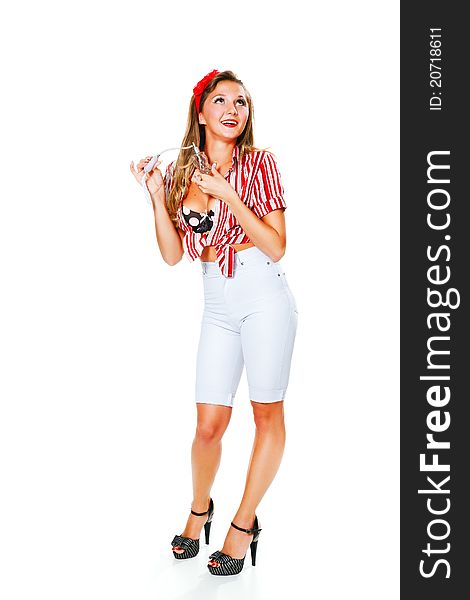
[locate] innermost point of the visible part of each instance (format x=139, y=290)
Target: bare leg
x=212, y=421
x=266, y=456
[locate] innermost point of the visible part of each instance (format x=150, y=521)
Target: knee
x=209, y=432
x=268, y=417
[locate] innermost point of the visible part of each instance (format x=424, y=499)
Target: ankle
x=199, y=505
x=244, y=518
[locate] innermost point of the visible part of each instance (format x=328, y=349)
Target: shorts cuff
x=266, y=396
x=212, y=397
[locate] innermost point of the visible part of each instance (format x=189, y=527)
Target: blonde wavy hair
x=183, y=168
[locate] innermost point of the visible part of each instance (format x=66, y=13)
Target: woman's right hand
x=154, y=177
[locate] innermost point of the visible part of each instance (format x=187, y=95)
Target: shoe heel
x=207, y=530
x=253, y=548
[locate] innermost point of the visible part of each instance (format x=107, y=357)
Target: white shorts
x=249, y=319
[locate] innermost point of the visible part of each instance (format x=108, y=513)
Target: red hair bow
x=201, y=86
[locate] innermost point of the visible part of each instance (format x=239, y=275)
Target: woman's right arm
x=169, y=238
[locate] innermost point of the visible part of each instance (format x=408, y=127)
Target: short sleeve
x=268, y=191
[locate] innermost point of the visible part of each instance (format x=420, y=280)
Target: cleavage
x=197, y=200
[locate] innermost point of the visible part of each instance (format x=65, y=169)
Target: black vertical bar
x=434, y=118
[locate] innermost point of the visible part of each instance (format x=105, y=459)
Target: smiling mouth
x=229, y=123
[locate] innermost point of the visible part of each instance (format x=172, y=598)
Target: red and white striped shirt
x=257, y=181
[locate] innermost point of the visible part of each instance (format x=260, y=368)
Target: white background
x=98, y=334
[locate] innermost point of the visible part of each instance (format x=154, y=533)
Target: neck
x=220, y=151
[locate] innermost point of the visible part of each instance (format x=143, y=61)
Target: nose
x=232, y=110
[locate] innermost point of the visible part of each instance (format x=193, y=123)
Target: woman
x=232, y=218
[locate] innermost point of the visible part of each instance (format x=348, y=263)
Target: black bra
x=199, y=222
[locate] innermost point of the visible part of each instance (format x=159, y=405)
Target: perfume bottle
x=200, y=161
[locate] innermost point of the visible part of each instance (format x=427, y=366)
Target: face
x=225, y=111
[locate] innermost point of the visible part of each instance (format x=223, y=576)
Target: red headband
x=201, y=86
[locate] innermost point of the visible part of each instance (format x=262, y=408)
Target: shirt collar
x=235, y=155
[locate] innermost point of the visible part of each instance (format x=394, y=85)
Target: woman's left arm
x=267, y=233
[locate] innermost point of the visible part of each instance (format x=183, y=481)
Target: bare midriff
x=208, y=254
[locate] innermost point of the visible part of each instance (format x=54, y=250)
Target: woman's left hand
x=214, y=184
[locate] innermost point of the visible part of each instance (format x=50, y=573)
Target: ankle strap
x=203, y=513
x=249, y=531
x=199, y=514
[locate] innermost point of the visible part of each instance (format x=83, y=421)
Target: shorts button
x=278, y=274
x=268, y=263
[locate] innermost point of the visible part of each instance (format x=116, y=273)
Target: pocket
x=271, y=273
x=280, y=274
x=211, y=274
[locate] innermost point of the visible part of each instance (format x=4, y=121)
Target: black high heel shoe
x=191, y=546
x=232, y=566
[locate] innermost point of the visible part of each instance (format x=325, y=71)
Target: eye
x=242, y=101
